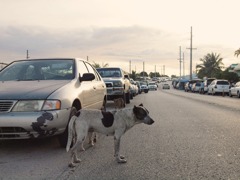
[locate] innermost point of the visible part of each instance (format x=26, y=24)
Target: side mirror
x=87, y=77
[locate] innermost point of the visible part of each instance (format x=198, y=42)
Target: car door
x=99, y=88
x=86, y=87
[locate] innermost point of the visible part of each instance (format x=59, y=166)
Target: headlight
x=36, y=105
x=117, y=84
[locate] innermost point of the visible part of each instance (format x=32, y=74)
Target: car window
x=222, y=83
x=92, y=70
x=82, y=68
x=109, y=72
x=38, y=70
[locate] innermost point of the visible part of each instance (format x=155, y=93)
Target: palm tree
x=211, y=65
x=237, y=52
x=96, y=65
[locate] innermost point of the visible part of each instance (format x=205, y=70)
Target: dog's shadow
x=28, y=145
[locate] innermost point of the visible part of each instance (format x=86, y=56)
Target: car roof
x=44, y=59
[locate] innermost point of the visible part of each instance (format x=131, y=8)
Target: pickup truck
x=117, y=83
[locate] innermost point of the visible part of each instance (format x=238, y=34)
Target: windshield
x=109, y=72
x=38, y=70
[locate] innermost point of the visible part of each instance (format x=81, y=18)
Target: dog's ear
x=141, y=104
x=135, y=109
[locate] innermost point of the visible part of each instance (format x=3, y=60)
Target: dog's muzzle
x=148, y=120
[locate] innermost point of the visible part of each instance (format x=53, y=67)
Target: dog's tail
x=71, y=132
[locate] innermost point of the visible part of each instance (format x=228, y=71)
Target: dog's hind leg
x=92, y=137
x=119, y=158
x=74, y=158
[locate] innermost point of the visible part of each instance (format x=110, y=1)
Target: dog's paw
x=77, y=160
x=91, y=143
x=121, y=157
x=71, y=165
x=121, y=160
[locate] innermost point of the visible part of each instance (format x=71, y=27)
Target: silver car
x=39, y=96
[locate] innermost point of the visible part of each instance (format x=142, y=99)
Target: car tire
x=127, y=95
x=230, y=94
x=63, y=138
x=131, y=96
x=238, y=94
x=104, y=105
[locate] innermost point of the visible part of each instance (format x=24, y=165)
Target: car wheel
x=104, y=105
x=63, y=138
x=238, y=94
x=230, y=94
x=131, y=96
x=127, y=95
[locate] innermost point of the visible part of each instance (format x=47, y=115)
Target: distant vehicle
x=117, y=83
x=206, y=84
x=143, y=87
x=187, y=87
x=39, y=96
x=196, y=87
x=134, y=87
x=235, y=90
x=152, y=86
x=165, y=86
x=218, y=86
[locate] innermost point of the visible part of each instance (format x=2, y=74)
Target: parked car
x=206, y=84
x=134, y=87
x=165, y=86
x=187, y=87
x=39, y=96
x=196, y=86
x=152, y=86
x=235, y=90
x=144, y=87
x=218, y=86
x=117, y=83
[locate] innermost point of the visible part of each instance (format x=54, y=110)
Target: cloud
x=115, y=42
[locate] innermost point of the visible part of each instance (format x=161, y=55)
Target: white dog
x=114, y=123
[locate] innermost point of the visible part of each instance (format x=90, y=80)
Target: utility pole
x=180, y=62
x=27, y=55
x=143, y=69
x=130, y=67
x=191, y=53
x=155, y=70
x=183, y=65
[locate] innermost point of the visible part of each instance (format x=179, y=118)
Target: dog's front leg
x=119, y=158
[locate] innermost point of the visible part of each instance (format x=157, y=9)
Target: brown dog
x=119, y=103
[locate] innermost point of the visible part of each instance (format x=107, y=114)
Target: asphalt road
x=194, y=137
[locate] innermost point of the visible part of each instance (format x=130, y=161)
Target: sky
x=133, y=34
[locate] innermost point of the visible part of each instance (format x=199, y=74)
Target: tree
x=96, y=65
x=230, y=76
x=133, y=75
x=211, y=66
x=237, y=52
x=153, y=74
x=143, y=73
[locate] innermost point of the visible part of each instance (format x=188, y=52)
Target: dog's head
x=142, y=115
